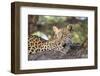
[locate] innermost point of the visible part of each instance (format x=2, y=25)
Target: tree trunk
x=32, y=23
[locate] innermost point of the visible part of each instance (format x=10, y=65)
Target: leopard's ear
x=69, y=27
x=55, y=29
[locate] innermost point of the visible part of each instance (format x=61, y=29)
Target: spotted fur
x=61, y=38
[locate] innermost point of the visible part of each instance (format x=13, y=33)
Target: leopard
x=62, y=37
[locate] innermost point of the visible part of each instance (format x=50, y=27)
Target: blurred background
x=42, y=26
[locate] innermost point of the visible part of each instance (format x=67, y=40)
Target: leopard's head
x=63, y=32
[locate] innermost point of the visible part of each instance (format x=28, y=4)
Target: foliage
x=80, y=26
